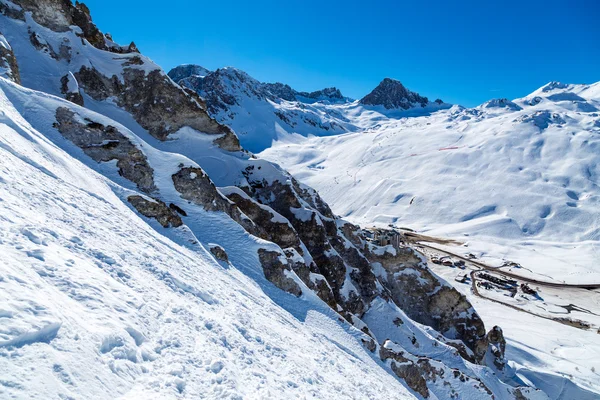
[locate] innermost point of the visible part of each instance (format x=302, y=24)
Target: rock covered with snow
x=8, y=63
x=150, y=143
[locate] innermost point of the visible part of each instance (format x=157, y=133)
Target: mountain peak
x=187, y=70
x=391, y=93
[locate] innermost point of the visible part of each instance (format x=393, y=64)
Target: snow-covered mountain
x=146, y=254
x=507, y=183
x=512, y=183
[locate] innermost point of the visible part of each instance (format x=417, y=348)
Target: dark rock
x=219, y=253
x=156, y=209
x=496, y=347
x=274, y=270
x=186, y=71
x=8, y=61
x=194, y=185
x=272, y=228
x=106, y=143
x=70, y=88
x=156, y=104
x=390, y=93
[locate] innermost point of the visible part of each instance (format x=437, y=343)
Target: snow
x=109, y=307
x=510, y=181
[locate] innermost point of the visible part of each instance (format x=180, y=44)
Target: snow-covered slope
x=148, y=251
x=94, y=303
x=515, y=183
x=510, y=173
x=261, y=113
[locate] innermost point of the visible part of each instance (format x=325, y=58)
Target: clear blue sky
x=464, y=52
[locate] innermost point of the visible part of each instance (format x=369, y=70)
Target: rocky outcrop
x=423, y=296
x=424, y=375
x=60, y=15
x=156, y=209
x=194, y=185
x=156, y=104
x=214, y=87
x=271, y=225
x=187, y=71
x=391, y=94
x=8, y=63
x=276, y=271
x=106, y=143
x=496, y=348
x=329, y=94
x=219, y=253
x=70, y=88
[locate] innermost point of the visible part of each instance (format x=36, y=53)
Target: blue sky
x=464, y=52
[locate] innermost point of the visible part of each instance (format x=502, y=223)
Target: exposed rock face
x=275, y=271
x=156, y=209
x=423, y=296
x=194, y=185
x=156, y=104
x=60, y=15
x=496, y=347
x=271, y=226
x=70, y=88
x=212, y=85
x=420, y=373
x=106, y=143
x=219, y=253
x=331, y=94
x=8, y=62
x=390, y=93
x=186, y=71
x=281, y=90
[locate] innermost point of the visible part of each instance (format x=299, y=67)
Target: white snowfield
x=96, y=303
x=514, y=180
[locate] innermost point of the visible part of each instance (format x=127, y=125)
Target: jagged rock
x=423, y=296
x=156, y=104
x=496, y=347
x=60, y=15
x=106, y=143
x=187, y=71
x=281, y=91
x=219, y=253
x=8, y=63
x=273, y=227
x=390, y=93
x=405, y=369
x=70, y=88
x=275, y=271
x=332, y=94
x=156, y=209
x=194, y=185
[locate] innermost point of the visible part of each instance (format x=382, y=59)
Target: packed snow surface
x=95, y=303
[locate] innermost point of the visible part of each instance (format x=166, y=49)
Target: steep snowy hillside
x=150, y=255
x=94, y=303
x=512, y=184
